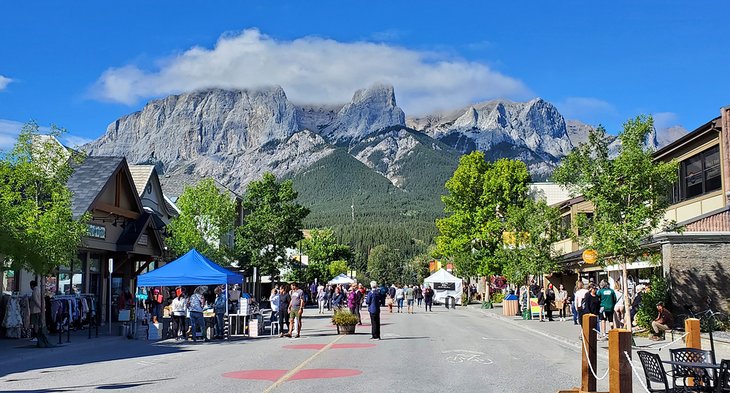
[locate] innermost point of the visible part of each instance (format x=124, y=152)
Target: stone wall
x=698, y=270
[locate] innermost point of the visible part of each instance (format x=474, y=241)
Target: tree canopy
x=273, y=223
x=322, y=250
x=38, y=229
x=207, y=217
x=629, y=192
x=477, y=202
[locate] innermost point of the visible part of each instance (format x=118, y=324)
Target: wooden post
x=619, y=367
x=588, y=380
x=692, y=328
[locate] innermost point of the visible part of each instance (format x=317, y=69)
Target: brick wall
x=697, y=270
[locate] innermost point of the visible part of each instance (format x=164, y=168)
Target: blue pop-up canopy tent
x=190, y=269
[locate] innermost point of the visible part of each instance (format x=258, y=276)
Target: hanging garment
x=13, y=321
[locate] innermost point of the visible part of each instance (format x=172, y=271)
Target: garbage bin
x=510, y=307
x=450, y=301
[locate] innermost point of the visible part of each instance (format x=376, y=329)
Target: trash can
x=450, y=301
x=510, y=307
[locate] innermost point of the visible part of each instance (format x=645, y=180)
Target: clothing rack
x=71, y=312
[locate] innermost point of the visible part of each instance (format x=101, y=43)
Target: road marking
x=500, y=339
x=465, y=355
x=300, y=366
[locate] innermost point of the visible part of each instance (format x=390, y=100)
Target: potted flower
x=345, y=322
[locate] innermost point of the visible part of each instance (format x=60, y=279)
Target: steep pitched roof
x=141, y=175
x=88, y=180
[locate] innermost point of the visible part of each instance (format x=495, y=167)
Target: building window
x=698, y=175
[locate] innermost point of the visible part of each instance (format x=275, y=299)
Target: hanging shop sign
x=590, y=256
x=96, y=231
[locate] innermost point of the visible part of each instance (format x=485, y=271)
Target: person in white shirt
x=399, y=296
x=580, y=294
x=179, y=315
x=321, y=298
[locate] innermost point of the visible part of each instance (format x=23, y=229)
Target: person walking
x=619, y=309
x=328, y=294
x=419, y=295
x=549, y=302
x=274, y=300
x=372, y=300
x=409, y=295
x=196, y=303
x=399, y=296
x=220, y=311
x=608, y=301
x=321, y=298
x=284, y=300
x=428, y=298
x=179, y=315
x=579, y=294
x=353, y=302
x=592, y=304
x=561, y=301
x=636, y=304
x=35, y=312
x=391, y=291
x=389, y=303
x=296, y=309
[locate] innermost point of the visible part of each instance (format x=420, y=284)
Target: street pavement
x=466, y=349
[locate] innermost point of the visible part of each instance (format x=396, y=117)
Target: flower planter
x=345, y=329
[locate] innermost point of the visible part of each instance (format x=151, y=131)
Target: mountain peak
x=376, y=92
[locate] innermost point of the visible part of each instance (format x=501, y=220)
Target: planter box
x=345, y=329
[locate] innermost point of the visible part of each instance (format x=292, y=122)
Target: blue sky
x=81, y=65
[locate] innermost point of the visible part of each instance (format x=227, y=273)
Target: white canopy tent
x=444, y=284
x=341, y=279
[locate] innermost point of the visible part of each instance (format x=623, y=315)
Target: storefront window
x=94, y=263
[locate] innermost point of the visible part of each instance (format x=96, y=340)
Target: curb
x=560, y=339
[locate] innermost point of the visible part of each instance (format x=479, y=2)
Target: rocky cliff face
x=236, y=135
x=536, y=125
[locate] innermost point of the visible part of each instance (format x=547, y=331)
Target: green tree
x=385, y=264
x=207, y=216
x=272, y=224
x=629, y=192
x=39, y=231
x=479, y=194
x=531, y=230
x=322, y=249
x=335, y=268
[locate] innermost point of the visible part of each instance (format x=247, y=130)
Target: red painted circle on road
x=334, y=346
x=323, y=373
x=260, y=375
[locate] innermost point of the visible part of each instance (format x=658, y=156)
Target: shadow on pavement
x=24, y=359
x=112, y=386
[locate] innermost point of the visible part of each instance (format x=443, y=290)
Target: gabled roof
x=89, y=179
x=141, y=175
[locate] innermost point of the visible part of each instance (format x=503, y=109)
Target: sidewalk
x=569, y=334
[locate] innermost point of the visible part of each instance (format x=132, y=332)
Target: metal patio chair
x=654, y=372
x=700, y=375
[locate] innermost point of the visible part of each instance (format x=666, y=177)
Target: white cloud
x=9, y=131
x=4, y=82
x=665, y=119
x=314, y=70
x=587, y=109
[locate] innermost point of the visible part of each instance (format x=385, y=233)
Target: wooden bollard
x=619, y=367
x=590, y=346
x=692, y=328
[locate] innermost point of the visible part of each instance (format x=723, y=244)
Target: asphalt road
x=447, y=350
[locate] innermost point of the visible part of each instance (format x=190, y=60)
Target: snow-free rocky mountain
x=237, y=135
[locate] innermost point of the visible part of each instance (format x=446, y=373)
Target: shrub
x=344, y=318
x=497, y=297
x=647, y=310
